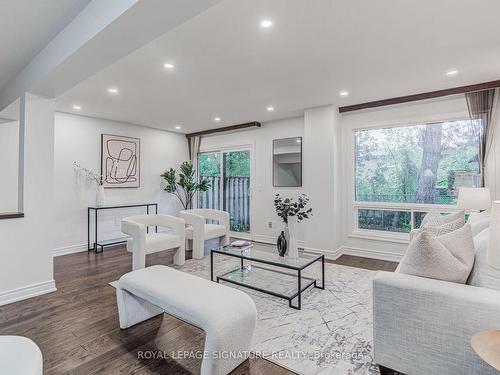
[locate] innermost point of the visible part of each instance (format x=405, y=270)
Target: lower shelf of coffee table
x=275, y=282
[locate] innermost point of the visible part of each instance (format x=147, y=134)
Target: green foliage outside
x=237, y=164
x=401, y=165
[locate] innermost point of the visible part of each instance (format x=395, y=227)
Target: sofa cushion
x=483, y=275
x=438, y=230
x=479, y=222
x=448, y=257
x=434, y=218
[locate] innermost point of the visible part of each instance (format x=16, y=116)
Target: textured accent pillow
x=483, y=275
x=448, y=257
x=434, y=218
x=438, y=230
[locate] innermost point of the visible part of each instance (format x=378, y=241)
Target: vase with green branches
x=186, y=186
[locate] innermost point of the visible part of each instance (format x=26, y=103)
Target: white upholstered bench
x=227, y=315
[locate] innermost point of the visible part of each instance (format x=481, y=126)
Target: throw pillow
x=438, y=230
x=479, y=222
x=434, y=218
x=448, y=257
x=483, y=275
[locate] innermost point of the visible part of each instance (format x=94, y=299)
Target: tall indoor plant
x=186, y=187
x=291, y=212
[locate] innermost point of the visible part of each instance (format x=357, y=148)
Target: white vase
x=100, y=197
x=291, y=231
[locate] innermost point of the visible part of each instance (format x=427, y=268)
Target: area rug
x=331, y=335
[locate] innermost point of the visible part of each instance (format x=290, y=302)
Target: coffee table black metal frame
x=300, y=288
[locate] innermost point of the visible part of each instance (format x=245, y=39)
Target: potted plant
x=291, y=212
x=186, y=186
x=92, y=177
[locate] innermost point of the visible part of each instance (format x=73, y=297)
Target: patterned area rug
x=331, y=335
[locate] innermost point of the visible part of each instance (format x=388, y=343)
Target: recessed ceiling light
x=451, y=73
x=168, y=66
x=113, y=90
x=344, y=93
x=178, y=127
x=77, y=107
x=270, y=109
x=266, y=23
x=217, y=119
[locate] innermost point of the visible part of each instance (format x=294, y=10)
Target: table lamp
x=471, y=198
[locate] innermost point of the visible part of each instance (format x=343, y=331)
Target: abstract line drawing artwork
x=120, y=161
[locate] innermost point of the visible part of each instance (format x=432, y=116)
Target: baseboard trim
x=65, y=250
x=26, y=292
x=373, y=254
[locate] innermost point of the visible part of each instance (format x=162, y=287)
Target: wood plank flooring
x=77, y=326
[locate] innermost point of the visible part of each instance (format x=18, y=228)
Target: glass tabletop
x=269, y=257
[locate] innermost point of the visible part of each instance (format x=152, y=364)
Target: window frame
x=397, y=237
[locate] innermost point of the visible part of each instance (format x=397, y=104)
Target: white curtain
x=194, y=149
x=481, y=106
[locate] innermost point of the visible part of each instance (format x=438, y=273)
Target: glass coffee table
x=285, y=280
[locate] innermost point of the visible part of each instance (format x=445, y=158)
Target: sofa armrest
x=423, y=326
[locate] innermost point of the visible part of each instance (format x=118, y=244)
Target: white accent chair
x=143, y=243
x=20, y=356
x=227, y=315
x=198, y=231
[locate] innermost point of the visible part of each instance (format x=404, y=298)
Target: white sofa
x=423, y=326
x=227, y=315
x=199, y=231
x=142, y=243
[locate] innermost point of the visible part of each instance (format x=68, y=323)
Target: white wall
x=78, y=138
x=9, y=161
x=26, y=243
x=261, y=139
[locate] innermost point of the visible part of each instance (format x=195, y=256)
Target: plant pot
x=100, y=196
x=291, y=229
x=281, y=244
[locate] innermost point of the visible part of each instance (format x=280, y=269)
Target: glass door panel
x=209, y=167
x=236, y=188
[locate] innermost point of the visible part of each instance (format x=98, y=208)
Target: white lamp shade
x=493, y=253
x=474, y=198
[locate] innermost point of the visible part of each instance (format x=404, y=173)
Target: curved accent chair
x=20, y=355
x=142, y=243
x=199, y=231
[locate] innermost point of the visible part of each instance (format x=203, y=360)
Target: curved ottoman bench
x=20, y=356
x=227, y=315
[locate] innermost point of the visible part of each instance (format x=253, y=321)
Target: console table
x=116, y=241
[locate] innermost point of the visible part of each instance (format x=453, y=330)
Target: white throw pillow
x=434, y=218
x=479, y=222
x=483, y=275
x=448, y=257
x=438, y=230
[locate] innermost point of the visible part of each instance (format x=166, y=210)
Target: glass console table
x=285, y=280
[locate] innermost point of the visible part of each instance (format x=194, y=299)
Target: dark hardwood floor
x=77, y=326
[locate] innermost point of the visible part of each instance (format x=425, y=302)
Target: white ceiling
x=26, y=26
x=227, y=66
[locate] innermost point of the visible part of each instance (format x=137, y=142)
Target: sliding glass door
x=228, y=172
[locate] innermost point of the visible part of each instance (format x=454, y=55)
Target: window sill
x=403, y=238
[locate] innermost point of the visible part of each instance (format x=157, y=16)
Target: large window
x=401, y=170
